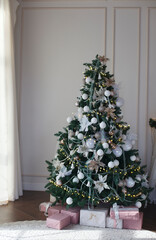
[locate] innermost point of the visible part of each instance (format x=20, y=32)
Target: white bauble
x=80, y=110
x=127, y=146
x=84, y=96
x=80, y=175
x=119, y=102
x=107, y=93
x=86, y=109
x=75, y=180
x=52, y=199
x=101, y=108
x=80, y=136
x=90, y=143
x=117, y=151
x=102, y=125
x=88, y=80
x=94, y=120
x=133, y=158
x=111, y=164
x=69, y=200
x=130, y=182
x=143, y=196
x=97, y=135
x=69, y=119
x=77, y=104
x=100, y=152
x=138, y=204
x=105, y=145
x=116, y=163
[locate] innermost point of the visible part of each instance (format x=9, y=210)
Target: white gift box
x=114, y=223
x=93, y=217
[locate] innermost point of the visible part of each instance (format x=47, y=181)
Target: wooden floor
x=27, y=208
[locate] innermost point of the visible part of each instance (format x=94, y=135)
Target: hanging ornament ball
x=58, y=182
x=75, y=180
x=111, y=164
x=69, y=119
x=80, y=109
x=94, y=120
x=90, y=143
x=130, y=182
x=86, y=109
x=117, y=151
x=69, y=200
x=101, y=108
x=143, y=196
x=97, y=135
x=107, y=93
x=133, y=142
x=80, y=136
x=85, y=96
x=138, y=204
x=133, y=158
x=102, y=125
x=62, y=141
x=120, y=184
x=116, y=163
x=80, y=175
x=88, y=80
x=100, y=152
x=119, y=102
x=127, y=146
x=105, y=145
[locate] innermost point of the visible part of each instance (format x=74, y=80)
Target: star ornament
x=110, y=112
x=101, y=184
x=103, y=59
x=84, y=123
x=109, y=82
x=58, y=164
x=94, y=165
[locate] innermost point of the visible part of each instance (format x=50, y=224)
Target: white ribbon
x=116, y=210
x=46, y=208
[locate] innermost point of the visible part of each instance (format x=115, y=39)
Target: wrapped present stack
x=117, y=217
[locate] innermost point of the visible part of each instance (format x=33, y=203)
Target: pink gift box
x=74, y=213
x=133, y=224
x=50, y=210
x=58, y=221
x=125, y=213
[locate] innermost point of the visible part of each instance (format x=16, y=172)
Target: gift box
x=96, y=217
x=133, y=224
x=124, y=213
x=43, y=207
x=50, y=210
x=114, y=223
x=58, y=221
x=74, y=213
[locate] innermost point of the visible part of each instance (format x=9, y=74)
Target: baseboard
x=34, y=183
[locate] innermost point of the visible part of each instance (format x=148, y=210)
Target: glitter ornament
x=102, y=125
x=138, y=204
x=107, y=93
x=85, y=96
x=133, y=158
x=111, y=164
x=80, y=136
x=105, y=145
x=90, y=143
x=100, y=152
x=117, y=151
x=86, y=109
x=94, y=120
x=80, y=175
x=97, y=135
x=69, y=119
x=69, y=200
x=75, y=180
x=116, y=163
x=130, y=182
x=88, y=80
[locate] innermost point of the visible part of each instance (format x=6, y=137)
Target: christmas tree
x=96, y=160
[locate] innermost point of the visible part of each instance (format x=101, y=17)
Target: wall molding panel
x=56, y=38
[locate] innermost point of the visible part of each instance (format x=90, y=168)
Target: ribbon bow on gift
x=116, y=210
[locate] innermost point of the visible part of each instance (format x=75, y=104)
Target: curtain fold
x=10, y=169
x=152, y=172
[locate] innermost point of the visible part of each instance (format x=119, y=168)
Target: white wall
x=54, y=39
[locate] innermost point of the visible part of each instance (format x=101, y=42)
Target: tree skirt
x=37, y=230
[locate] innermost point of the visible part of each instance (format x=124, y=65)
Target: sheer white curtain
x=10, y=171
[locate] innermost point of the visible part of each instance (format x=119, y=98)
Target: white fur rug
x=37, y=230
